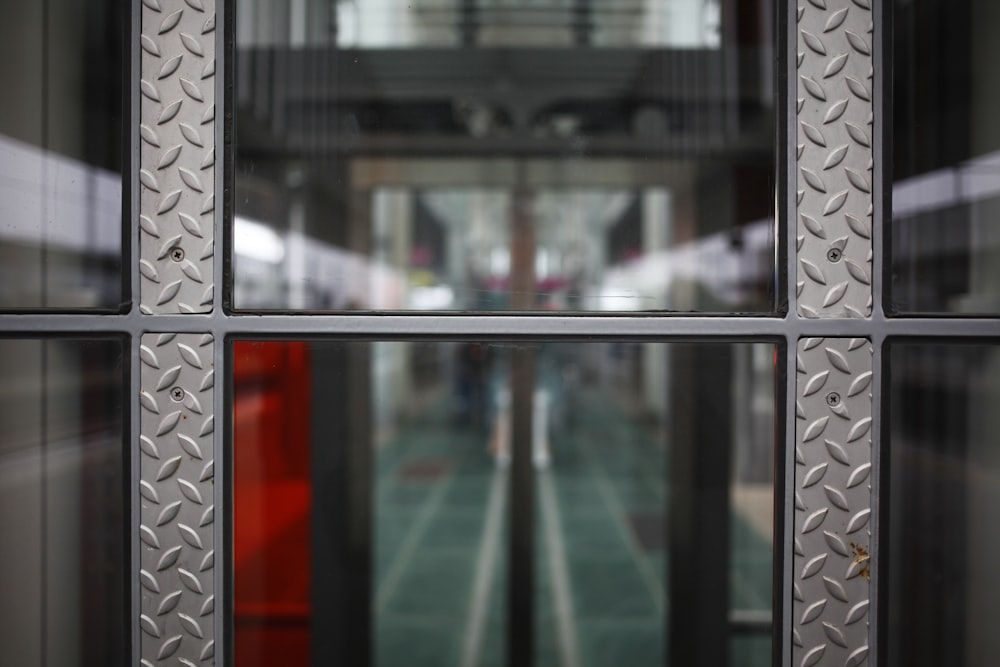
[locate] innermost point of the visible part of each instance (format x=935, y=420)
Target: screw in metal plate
x=834, y=254
x=177, y=254
x=177, y=394
x=833, y=398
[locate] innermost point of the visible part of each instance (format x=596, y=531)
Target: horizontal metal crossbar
x=396, y=326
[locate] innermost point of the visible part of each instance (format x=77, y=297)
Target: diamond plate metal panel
x=834, y=163
x=176, y=471
x=177, y=155
x=833, y=456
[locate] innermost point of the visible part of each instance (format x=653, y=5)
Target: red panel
x=272, y=499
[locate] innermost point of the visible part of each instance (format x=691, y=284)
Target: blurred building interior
x=616, y=157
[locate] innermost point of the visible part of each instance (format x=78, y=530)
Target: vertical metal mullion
x=786, y=255
x=174, y=176
x=881, y=243
x=223, y=138
x=130, y=234
x=521, y=583
x=698, y=506
x=341, y=467
x=880, y=365
x=223, y=397
x=881, y=156
x=174, y=185
x=521, y=570
x=131, y=494
x=784, y=550
x=176, y=497
x=833, y=478
x=131, y=162
x=786, y=209
x=787, y=134
x=833, y=143
x=833, y=391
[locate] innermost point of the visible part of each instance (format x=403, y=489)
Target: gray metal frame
x=834, y=117
x=176, y=498
x=833, y=502
x=802, y=321
x=177, y=155
x=833, y=410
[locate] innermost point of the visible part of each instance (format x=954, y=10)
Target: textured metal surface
x=833, y=502
x=176, y=496
x=835, y=122
x=177, y=155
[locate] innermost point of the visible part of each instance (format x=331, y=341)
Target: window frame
x=786, y=327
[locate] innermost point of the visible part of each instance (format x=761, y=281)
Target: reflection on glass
x=440, y=508
x=488, y=155
x=62, y=507
x=944, y=494
x=946, y=161
x=373, y=500
x=615, y=449
x=61, y=154
x=373, y=24
x=369, y=517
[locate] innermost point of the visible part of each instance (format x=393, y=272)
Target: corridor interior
x=432, y=426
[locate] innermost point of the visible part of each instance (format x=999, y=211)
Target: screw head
x=177, y=394
x=177, y=254
x=832, y=399
x=834, y=254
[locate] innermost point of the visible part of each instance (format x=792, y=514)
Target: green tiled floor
x=428, y=531
x=605, y=469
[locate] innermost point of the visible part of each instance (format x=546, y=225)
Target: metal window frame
x=788, y=327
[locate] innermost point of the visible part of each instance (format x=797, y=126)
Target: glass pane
x=626, y=438
x=369, y=518
x=946, y=162
x=61, y=130
x=944, y=495
x=373, y=501
x=486, y=155
x=63, y=560
x=374, y=24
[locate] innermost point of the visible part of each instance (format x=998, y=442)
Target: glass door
x=474, y=496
